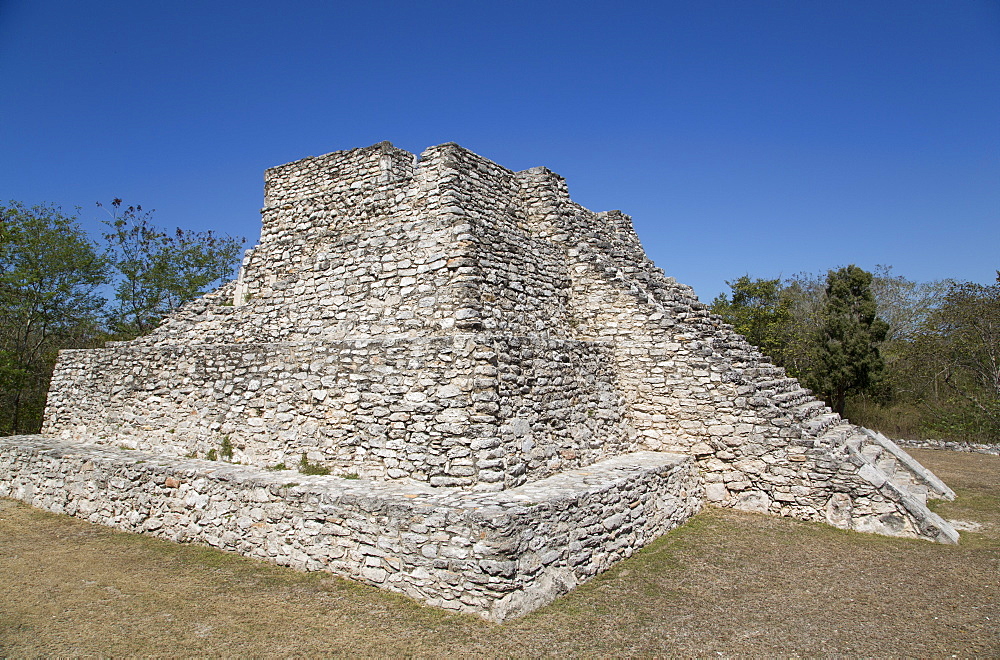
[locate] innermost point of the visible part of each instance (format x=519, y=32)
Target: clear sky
x=761, y=137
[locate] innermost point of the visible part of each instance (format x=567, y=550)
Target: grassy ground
x=727, y=582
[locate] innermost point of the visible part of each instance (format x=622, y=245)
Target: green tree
x=758, y=311
x=957, y=361
x=49, y=275
x=158, y=271
x=904, y=304
x=806, y=296
x=848, y=339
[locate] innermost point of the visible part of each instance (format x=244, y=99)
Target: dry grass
x=727, y=582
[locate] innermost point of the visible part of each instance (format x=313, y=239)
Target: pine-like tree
x=848, y=357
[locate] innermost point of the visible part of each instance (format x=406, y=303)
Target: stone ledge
x=497, y=555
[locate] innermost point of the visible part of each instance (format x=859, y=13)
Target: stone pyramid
x=507, y=393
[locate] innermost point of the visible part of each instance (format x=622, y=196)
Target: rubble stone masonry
x=446, y=328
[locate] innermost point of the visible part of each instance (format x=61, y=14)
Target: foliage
x=49, y=274
x=896, y=417
x=805, y=295
x=848, y=339
x=956, y=362
x=904, y=304
x=936, y=370
x=757, y=311
x=159, y=271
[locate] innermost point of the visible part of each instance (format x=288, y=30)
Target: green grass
x=305, y=467
x=726, y=583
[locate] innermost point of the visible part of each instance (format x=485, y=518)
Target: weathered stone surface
x=493, y=554
x=447, y=325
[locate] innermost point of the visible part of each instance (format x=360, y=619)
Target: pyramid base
x=497, y=555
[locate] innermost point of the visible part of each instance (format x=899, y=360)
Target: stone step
x=890, y=467
x=821, y=422
x=885, y=462
x=905, y=464
x=836, y=434
x=904, y=480
x=918, y=491
x=790, y=398
x=871, y=452
x=856, y=440
x=812, y=410
x=780, y=385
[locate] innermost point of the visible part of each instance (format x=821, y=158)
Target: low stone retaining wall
x=497, y=555
x=950, y=445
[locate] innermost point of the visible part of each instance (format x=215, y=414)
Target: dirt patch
x=727, y=582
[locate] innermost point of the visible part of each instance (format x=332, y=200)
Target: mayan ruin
x=506, y=395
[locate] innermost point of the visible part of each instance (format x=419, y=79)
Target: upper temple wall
x=358, y=169
x=375, y=242
x=518, y=281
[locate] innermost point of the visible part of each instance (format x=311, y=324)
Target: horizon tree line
x=906, y=358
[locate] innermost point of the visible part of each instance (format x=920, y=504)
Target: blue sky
x=760, y=137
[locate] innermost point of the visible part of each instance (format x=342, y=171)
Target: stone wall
x=519, y=283
x=463, y=410
x=377, y=408
x=952, y=445
x=497, y=555
x=557, y=407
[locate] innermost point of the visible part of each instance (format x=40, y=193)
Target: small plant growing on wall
x=212, y=455
x=305, y=467
x=227, y=448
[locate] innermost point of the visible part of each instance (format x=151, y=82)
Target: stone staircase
x=609, y=253
x=878, y=457
x=889, y=469
x=898, y=467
